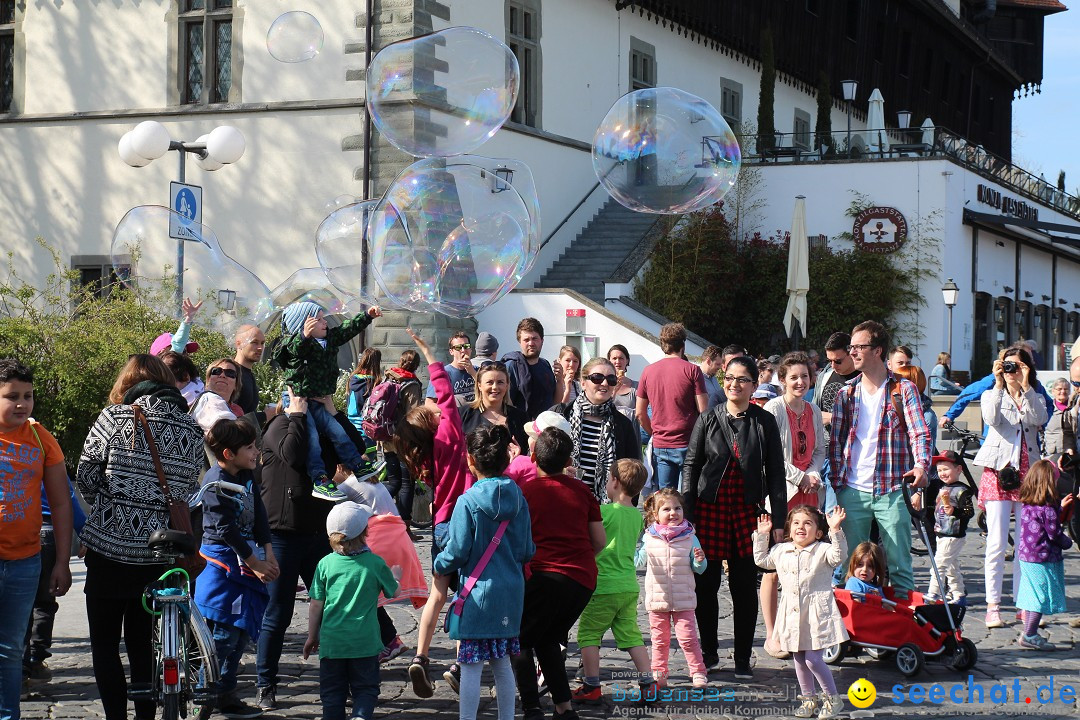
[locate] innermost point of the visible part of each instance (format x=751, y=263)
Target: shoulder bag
x=453, y=610
x=179, y=512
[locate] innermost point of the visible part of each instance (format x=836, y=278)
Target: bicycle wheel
x=203, y=671
x=170, y=707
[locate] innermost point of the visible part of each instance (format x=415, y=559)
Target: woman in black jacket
x=601, y=433
x=735, y=460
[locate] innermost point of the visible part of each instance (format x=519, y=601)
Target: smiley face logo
x=862, y=693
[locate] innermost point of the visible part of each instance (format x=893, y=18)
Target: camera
x=1009, y=366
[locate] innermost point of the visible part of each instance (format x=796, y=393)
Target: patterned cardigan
x=117, y=479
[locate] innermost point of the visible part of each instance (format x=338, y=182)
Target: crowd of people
x=552, y=483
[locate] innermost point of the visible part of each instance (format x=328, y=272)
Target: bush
x=76, y=343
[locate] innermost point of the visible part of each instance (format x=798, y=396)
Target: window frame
x=104, y=267
x=730, y=88
x=527, y=49
x=802, y=139
x=639, y=49
x=12, y=33
x=209, y=17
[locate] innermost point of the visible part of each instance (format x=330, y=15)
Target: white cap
x=547, y=419
x=348, y=518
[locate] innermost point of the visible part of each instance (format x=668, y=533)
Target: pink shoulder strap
x=479, y=569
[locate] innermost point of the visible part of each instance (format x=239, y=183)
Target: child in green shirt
x=342, y=624
x=614, y=603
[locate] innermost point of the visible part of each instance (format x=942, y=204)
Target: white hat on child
x=348, y=518
x=545, y=420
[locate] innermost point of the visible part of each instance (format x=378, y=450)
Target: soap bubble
x=231, y=294
x=341, y=245
x=310, y=285
x=442, y=94
x=339, y=202
x=451, y=236
x=663, y=150
x=295, y=36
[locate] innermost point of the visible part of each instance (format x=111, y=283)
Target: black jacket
x=472, y=418
x=761, y=460
x=286, y=487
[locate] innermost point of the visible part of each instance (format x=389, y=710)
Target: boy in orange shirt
x=28, y=456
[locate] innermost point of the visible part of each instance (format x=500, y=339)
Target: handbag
x=1008, y=479
x=453, y=610
x=179, y=512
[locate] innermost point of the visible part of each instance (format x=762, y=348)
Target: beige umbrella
x=798, y=273
x=875, y=123
x=928, y=132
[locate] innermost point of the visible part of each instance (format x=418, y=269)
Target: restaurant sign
x=1007, y=205
x=879, y=230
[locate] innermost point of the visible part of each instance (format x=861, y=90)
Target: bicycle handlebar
x=214, y=486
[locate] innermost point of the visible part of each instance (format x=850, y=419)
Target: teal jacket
x=493, y=608
x=310, y=368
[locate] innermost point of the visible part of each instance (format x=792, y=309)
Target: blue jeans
x=338, y=677
x=39, y=630
x=229, y=644
x=297, y=555
x=322, y=422
x=18, y=586
x=893, y=521
x=669, y=462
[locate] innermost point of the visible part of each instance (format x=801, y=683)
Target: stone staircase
x=598, y=250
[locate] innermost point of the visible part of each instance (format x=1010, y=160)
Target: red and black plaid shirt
x=724, y=528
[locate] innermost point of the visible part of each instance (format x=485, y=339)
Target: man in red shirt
x=568, y=533
x=675, y=389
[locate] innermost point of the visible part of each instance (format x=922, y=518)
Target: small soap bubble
x=295, y=36
x=442, y=94
x=663, y=150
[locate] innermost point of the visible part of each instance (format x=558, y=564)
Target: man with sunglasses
x=841, y=369
x=461, y=372
x=879, y=439
x=675, y=389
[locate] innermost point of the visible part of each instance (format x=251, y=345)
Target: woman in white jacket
x=802, y=434
x=1013, y=412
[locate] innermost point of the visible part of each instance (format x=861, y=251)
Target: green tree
x=823, y=125
x=766, y=126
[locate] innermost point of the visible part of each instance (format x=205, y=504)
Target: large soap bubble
x=310, y=285
x=663, y=150
x=231, y=294
x=295, y=36
x=452, y=236
x=442, y=94
x=342, y=247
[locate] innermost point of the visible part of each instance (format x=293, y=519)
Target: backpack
x=378, y=419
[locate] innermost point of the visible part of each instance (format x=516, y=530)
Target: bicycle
x=185, y=661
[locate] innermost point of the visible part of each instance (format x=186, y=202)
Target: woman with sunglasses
x=803, y=438
x=601, y=434
x=1013, y=413
x=492, y=405
x=735, y=462
x=218, y=401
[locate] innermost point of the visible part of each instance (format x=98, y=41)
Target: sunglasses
x=801, y=436
x=227, y=372
x=464, y=346
x=598, y=379
x=837, y=361
x=1075, y=383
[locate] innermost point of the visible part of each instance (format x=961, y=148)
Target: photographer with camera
x=1013, y=413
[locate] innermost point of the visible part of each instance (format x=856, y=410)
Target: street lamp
x=950, y=293
x=850, y=88
x=903, y=122
x=149, y=140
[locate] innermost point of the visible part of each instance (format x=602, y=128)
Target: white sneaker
x=831, y=706
x=808, y=707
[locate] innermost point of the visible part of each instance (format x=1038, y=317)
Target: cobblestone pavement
x=1002, y=666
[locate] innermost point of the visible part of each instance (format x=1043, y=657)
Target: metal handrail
x=569, y=215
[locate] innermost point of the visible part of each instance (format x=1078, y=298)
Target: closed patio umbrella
x=928, y=132
x=798, y=274
x=878, y=139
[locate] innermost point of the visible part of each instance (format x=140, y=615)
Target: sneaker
x=266, y=697
x=418, y=674
x=38, y=672
x=808, y=706
x=960, y=600
x=391, y=651
x=1034, y=642
x=587, y=694
x=743, y=671
x=701, y=681
x=231, y=706
x=453, y=678
x=993, y=619
x=369, y=471
x=931, y=599
x=325, y=489
x=534, y=714
x=568, y=715
x=650, y=693
x=831, y=706
x=712, y=663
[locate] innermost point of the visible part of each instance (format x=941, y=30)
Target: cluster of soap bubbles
x=294, y=37
x=454, y=232
x=664, y=150
x=162, y=269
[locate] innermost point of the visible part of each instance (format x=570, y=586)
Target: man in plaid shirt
x=870, y=454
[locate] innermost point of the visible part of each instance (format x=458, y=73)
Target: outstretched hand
x=190, y=309
x=836, y=518
x=424, y=348
x=764, y=524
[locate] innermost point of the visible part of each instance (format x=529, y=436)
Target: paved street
x=771, y=694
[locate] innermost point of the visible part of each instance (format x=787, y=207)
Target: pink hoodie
x=451, y=477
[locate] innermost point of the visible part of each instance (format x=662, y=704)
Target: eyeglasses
x=1075, y=383
x=732, y=380
x=463, y=346
x=860, y=348
x=837, y=361
x=801, y=436
x=227, y=372
x=599, y=378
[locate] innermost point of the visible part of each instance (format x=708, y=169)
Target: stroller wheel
x=965, y=657
x=833, y=654
x=877, y=653
x=910, y=659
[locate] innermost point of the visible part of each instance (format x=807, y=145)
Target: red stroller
x=910, y=631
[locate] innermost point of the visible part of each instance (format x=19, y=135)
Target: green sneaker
x=325, y=489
